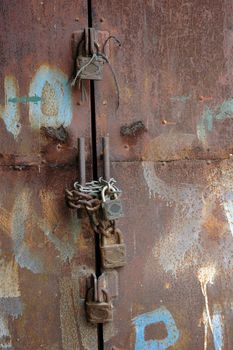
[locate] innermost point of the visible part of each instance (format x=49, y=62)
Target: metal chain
x=89, y=197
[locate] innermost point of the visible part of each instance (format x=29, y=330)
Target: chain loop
x=90, y=198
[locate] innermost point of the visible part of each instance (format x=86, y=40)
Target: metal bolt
x=76, y=19
x=101, y=19
x=104, y=102
x=165, y=122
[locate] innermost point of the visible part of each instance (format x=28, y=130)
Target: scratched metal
x=46, y=251
x=174, y=71
x=171, y=152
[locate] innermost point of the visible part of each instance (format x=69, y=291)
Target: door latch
x=99, y=308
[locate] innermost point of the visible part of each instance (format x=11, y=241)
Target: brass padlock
x=112, y=249
x=111, y=206
x=98, y=311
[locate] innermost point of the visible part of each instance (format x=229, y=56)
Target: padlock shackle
x=116, y=233
x=108, y=188
x=106, y=295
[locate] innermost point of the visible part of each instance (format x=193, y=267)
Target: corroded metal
x=45, y=250
x=174, y=71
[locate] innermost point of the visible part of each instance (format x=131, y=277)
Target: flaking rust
x=58, y=134
x=133, y=129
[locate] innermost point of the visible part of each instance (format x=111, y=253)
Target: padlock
x=89, y=64
x=111, y=206
x=98, y=311
x=90, y=67
x=112, y=249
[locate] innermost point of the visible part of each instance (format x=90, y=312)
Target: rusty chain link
x=89, y=198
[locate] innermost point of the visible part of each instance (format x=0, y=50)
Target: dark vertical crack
x=95, y=173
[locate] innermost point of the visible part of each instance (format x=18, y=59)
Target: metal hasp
x=100, y=200
x=99, y=308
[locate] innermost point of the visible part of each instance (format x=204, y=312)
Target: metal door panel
x=174, y=75
x=46, y=251
x=171, y=150
x=36, y=66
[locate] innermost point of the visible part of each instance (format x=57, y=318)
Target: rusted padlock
x=89, y=63
x=99, y=309
x=111, y=205
x=113, y=252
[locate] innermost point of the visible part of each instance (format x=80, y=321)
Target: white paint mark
x=5, y=336
x=228, y=207
x=21, y=213
x=206, y=276
x=187, y=205
x=10, y=113
x=206, y=326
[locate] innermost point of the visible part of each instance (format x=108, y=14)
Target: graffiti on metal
x=49, y=100
x=162, y=315
x=154, y=317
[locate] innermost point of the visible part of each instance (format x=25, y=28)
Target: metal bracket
x=99, y=36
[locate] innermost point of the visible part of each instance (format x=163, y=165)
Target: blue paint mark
x=24, y=99
x=58, y=104
x=217, y=324
x=147, y=319
x=223, y=111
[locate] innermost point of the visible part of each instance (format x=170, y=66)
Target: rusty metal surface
x=175, y=76
x=46, y=251
x=171, y=151
x=35, y=94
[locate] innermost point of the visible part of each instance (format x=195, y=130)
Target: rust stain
x=49, y=103
x=9, y=276
x=172, y=145
x=70, y=339
x=5, y=221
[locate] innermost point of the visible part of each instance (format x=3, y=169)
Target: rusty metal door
x=171, y=152
x=45, y=250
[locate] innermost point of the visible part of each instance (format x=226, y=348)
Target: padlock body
x=113, y=256
x=99, y=312
x=112, y=209
x=93, y=71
